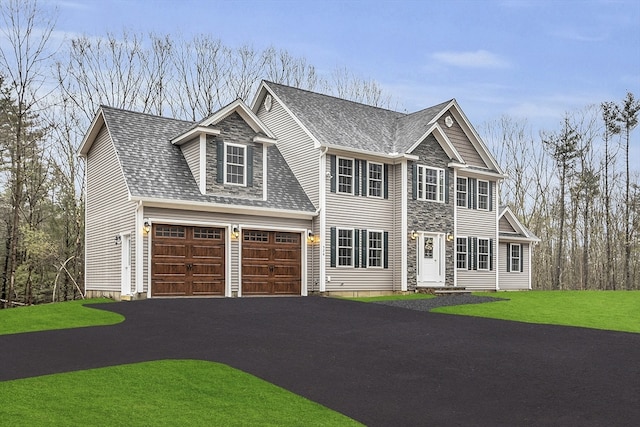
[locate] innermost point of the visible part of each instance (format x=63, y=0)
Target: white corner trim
x=203, y=164
x=264, y=173
x=139, y=258
x=322, y=201
x=404, y=191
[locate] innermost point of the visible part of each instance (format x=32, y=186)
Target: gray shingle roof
x=335, y=121
x=155, y=168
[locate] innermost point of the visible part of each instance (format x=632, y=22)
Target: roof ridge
x=334, y=97
x=124, y=110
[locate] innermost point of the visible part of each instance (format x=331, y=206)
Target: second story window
x=375, y=179
x=461, y=192
x=345, y=176
x=430, y=184
x=235, y=164
x=483, y=195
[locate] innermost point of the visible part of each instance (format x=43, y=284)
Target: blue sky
x=532, y=59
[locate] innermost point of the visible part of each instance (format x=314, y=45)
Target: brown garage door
x=271, y=263
x=187, y=261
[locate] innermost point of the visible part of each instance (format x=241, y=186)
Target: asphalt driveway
x=378, y=364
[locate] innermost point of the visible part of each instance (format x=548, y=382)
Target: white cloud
x=477, y=59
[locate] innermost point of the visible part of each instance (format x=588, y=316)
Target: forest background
x=575, y=186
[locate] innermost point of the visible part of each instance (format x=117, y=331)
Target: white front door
x=430, y=259
x=125, y=275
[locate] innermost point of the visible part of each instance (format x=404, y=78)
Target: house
x=297, y=193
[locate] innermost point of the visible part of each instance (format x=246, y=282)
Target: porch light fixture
x=310, y=236
x=449, y=237
x=414, y=234
x=147, y=226
x=235, y=231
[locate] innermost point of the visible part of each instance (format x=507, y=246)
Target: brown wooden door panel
x=271, y=263
x=187, y=261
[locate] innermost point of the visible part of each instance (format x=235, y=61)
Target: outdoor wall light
x=235, y=231
x=147, y=226
x=414, y=234
x=310, y=236
x=449, y=237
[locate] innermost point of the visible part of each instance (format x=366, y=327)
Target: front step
x=451, y=291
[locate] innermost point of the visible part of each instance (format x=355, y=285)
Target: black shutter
x=490, y=195
x=475, y=253
x=473, y=191
x=446, y=186
x=249, y=166
x=365, y=177
x=414, y=181
x=385, y=250
x=333, y=246
x=521, y=258
x=332, y=160
x=490, y=254
x=364, y=248
x=356, y=248
x=508, y=257
x=469, y=253
x=220, y=162
x=356, y=179
x=386, y=181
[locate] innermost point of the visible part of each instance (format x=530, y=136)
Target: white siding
x=359, y=212
x=108, y=213
x=513, y=280
x=296, y=147
x=187, y=217
x=481, y=224
x=191, y=153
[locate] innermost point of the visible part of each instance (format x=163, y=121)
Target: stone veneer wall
x=427, y=215
x=235, y=130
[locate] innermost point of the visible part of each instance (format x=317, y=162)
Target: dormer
x=227, y=152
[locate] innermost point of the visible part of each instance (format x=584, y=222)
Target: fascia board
x=222, y=208
x=247, y=115
x=358, y=151
x=193, y=133
x=92, y=133
x=508, y=214
x=471, y=133
x=442, y=139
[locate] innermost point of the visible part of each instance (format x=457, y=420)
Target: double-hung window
x=375, y=248
x=235, y=164
x=430, y=183
x=483, y=195
x=515, y=257
x=376, y=179
x=345, y=175
x=483, y=254
x=345, y=247
x=461, y=192
x=461, y=252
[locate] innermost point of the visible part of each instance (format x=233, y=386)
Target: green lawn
x=61, y=315
x=610, y=310
x=160, y=393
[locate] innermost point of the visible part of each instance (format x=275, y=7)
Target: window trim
x=338, y=247
x=478, y=195
x=466, y=252
x=422, y=183
x=352, y=176
x=244, y=165
x=487, y=254
x=511, y=257
x=465, y=192
x=369, y=179
x=381, y=249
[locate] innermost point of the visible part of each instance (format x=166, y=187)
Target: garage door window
x=170, y=231
x=256, y=236
x=287, y=238
x=206, y=233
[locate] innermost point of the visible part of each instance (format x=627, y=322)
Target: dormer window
x=235, y=164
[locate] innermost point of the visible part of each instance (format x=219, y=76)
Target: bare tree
x=611, y=128
x=627, y=116
x=27, y=30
